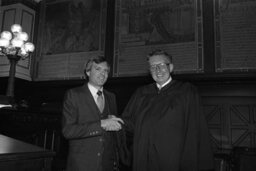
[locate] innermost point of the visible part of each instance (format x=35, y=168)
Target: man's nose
x=158, y=68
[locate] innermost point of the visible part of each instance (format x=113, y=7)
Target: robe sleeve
x=197, y=152
x=128, y=114
x=126, y=134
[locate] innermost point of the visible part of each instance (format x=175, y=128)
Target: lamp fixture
x=15, y=46
x=15, y=43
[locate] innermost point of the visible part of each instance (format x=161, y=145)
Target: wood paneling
x=231, y=116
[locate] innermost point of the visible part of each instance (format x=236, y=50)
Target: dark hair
x=160, y=52
x=95, y=59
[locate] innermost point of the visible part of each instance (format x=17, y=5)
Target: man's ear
x=171, y=67
x=88, y=73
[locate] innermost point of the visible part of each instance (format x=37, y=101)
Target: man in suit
x=89, y=121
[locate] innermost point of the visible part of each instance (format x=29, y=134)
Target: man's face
x=98, y=74
x=160, y=68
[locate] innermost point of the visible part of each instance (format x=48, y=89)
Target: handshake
x=112, y=123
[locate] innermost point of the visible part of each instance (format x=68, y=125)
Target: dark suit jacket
x=81, y=126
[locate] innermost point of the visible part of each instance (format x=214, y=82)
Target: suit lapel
x=108, y=103
x=87, y=95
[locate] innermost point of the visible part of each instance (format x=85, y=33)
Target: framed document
x=142, y=26
x=70, y=32
x=235, y=35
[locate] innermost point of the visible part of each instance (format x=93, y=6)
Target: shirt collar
x=94, y=90
x=161, y=86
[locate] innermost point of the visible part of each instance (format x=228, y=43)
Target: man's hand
x=112, y=123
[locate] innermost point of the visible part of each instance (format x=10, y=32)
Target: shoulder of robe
x=146, y=89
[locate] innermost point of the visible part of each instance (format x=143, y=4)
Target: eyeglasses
x=161, y=66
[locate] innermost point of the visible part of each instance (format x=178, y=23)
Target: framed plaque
x=142, y=26
x=235, y=35
x=70, y=31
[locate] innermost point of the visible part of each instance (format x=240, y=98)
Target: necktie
x=100, y=101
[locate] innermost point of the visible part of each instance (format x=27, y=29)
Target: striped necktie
x=100, y=101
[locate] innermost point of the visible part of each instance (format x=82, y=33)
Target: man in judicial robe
x=169, y=130
x=89, y=122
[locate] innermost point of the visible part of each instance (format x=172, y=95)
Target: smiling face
x=98, y=74
x=160, y=68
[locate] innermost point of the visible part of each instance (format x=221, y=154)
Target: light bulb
x=16, y=28
x=29, y=47
x=4, y=42
x=6, y=35
x=23, y=36
x=22, y=52
x=17, y=42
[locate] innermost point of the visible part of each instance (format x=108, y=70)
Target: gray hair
x=95, y=59
x=160, y=52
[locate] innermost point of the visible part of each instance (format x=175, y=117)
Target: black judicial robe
x=169, y=130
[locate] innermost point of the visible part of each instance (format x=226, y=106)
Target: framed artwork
x=235, y=35
x=71, y=31
x=142, y=26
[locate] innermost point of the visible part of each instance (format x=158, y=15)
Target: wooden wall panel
x=231, y=121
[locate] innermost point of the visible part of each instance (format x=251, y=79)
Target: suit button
x=98, y=154
x=101, y=139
